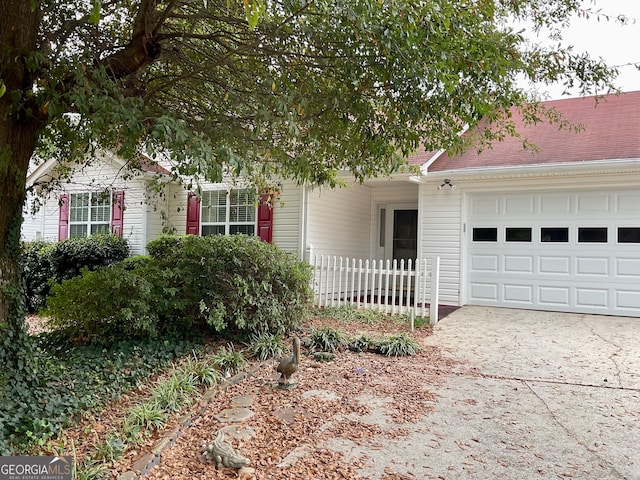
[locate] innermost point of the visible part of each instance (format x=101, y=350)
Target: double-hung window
x=228, y=212
x=89, y=213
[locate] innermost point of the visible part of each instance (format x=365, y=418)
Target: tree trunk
x=19, y=126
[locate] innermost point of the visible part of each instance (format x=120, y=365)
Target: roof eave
x=538, y=170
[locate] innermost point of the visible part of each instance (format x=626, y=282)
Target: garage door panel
x=592, y=266
x=484, y=291
x=628, y=299
x=628, y=202
x=524, y=205
x=592, y=297
x=555, y=205
x=484, y=263
x=628, y=267
x=554, y=296
x=554, y=265
x=577, y=271
x=518, y=293
x=518, y=263
x=590, y=204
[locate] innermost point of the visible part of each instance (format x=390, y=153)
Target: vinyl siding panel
x=439, y=235
x=340, y=221
x=287, y=218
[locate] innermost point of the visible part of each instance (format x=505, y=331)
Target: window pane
x=629, y=235
x=77, y=230
x=242, y=206
x=212, y=230
x=485, y=234
x=78, y=207
x=554, y=234
x=99, y=228
x=592, y=235
x=246, y=229
x=518, y=234
x=214, y=206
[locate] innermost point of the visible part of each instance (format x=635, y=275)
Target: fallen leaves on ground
x=363, y=398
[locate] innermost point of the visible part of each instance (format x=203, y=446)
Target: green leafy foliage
x=144, y=417
x=265, y=346
x=398, y=346
x=235, y=285
x=351, y=314
x=327, y=339
x=229, y=360
x=74, y=378
x=45, y=264
x=103, y=306
x=201, y=371
x=362, y=343
x=174, y=391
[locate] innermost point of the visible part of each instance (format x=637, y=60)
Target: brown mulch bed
x=300, y=420
x=285, y=421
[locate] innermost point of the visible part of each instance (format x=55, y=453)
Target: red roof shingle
x=611, y=131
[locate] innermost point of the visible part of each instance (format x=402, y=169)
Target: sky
x=617, y=44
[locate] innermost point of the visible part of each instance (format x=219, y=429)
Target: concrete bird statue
x=289, y=365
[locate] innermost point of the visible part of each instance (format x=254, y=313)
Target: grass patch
x=327, y=339
x=266, y=346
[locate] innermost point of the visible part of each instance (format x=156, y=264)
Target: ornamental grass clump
x=398, y=346
x=327, y=339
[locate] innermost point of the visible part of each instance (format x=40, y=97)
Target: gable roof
x=611, y=131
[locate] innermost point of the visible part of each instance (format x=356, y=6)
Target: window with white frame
x=228, y=212
x=89, y=213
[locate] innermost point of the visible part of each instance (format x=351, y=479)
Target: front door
x=405, y=234
x=399, y=231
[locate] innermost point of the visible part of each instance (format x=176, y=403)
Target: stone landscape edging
x=154, y=456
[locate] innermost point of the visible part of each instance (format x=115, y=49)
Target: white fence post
x=344, y=281
x=435, y=287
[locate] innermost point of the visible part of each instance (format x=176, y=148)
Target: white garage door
x=574, y=252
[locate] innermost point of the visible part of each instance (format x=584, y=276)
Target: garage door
x=574, y=252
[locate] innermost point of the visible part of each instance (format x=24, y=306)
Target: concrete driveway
x=536, y=395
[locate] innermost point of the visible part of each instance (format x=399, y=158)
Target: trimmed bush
x=235, y=285
x=103, y=306
x=47, y=263
x=37, y=271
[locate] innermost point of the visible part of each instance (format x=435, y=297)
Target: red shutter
x=193, y=214
x=63, y=219
x=265, y=219
x=117, y=213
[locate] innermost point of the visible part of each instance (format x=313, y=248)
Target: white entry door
x=575, y=252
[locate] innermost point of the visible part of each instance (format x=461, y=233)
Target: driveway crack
x=618, y=349
x=571, y=434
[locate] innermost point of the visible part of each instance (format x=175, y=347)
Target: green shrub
x=327, y=339
x=69, y=257
x=45, y=264
x=362, y=343
x=174, y=391
x=266, y=346
x=103, y=306
x=234, y=283
x=398, y=346
x=201, y=372
x=37, y=271
x=228, y=360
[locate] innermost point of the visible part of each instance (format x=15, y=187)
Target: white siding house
x=557, y=229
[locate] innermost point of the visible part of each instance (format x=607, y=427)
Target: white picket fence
x=389, y=286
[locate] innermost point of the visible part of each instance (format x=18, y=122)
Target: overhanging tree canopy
x=296, y=88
